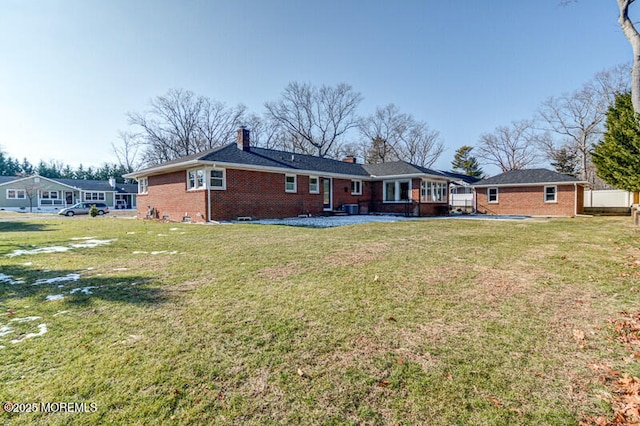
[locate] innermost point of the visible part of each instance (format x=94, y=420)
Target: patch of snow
x=140, y=252
x=9, y=279
x=333, y=221
x=85, y=290
x=82, y=238
x=130, y=233
x=163, y=252
x=27, y=264
x=60, y=313
x=41, y=327
x=54, y=297
x=25, y=319
x=120, y=269
x=174, y=229
x=5, y=330
x=92, y=243
x=46, y=250
x=68, y=277
x=163, y=235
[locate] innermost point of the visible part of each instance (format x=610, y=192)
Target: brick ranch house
x=533, y=192
x=239, y=180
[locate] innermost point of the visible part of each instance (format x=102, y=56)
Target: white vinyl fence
x=461, y=200
x=608, y=198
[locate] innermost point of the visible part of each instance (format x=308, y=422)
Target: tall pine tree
x=464, y=162
x=617, y=156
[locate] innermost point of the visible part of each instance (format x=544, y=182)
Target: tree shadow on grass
x=20, y=226
x=26, y=282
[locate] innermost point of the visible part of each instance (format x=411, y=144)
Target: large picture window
x=396, y=190
x=433, y=191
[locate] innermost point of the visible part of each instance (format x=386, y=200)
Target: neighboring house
x=533, y=192
x=461, y=191
x=37, y=193
x=239, y=180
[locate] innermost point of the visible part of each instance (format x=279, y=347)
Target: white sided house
x=40, y=194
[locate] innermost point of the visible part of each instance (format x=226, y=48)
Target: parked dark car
x=83, y=208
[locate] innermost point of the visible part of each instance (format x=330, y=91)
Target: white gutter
x=505, y=185
x=209, y=202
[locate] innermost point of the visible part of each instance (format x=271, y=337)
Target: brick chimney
x=243, y=138
x=349, y=159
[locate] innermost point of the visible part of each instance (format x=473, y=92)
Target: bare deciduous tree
x=513, y=147
x=316, y=119
x=180, y=123
x=392, y=135
x=578, y=117
x=631, y=33
x=383, y=130
x=422, y=146
x=127, y=151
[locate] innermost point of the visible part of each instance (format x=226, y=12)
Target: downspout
x=575, y=201
x=209, y=202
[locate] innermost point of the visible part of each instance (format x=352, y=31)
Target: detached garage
x=532, y=192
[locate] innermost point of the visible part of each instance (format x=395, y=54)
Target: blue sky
x=72, y=69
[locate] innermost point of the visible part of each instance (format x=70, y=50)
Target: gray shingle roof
x=470, y=180
x=527, y=177
x=262, y=157
x=272, y=158
x=5, y=179
x=397, y=168
x=99, y=185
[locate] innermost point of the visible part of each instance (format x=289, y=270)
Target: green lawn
x=431, y=322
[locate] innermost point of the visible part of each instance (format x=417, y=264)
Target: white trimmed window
x=195, y=179
x=433, y=191
x=290, y=184
x=314, y=185
x=143, y=185
x=217, y=179
x=50, y=195
x=492, y=195
x=551, y=194
x=356, y=187
x=396, y=190
x=16, y=194
x=94, y=196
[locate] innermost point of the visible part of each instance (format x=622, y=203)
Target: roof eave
x=490, y=185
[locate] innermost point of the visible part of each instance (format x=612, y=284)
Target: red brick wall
x=168, y=195
x=413, y=209
x=530, y=201
x=256, y=194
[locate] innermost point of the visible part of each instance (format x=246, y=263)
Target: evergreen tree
x=617, y=156
x=565, y=160
x=464, y=162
